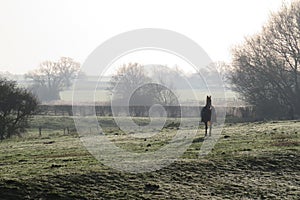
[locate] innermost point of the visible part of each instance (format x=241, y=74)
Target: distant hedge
x=247, y=112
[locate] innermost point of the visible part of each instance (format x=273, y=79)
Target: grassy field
x=251, y=161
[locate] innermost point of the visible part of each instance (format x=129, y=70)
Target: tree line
x=265, y=67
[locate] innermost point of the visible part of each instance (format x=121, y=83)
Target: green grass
x=250, y=161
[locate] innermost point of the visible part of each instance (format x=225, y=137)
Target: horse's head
x=208, y=100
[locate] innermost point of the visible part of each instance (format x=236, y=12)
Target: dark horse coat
x=208, y=115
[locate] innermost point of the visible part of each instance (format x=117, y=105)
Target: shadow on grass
x=198, y=140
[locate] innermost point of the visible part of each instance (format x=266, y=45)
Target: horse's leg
x=210, y=127
x=205, y=128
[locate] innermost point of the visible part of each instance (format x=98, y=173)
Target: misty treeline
x=51, y=77
x=18, y=104
x=144, y=85
x=265, y=68
x=138, y=85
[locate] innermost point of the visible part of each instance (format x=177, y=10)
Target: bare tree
x=266, y=70
x=52, y=77
x=165, y=90
x=133, y=82
x=282, y=36
x=127, y=79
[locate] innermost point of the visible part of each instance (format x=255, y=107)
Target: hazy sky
x=32, y=31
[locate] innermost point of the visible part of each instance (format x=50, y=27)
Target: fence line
x=245, y=112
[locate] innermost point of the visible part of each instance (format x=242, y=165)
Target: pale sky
x=32, y=31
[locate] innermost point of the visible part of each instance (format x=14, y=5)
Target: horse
x=208, y=115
